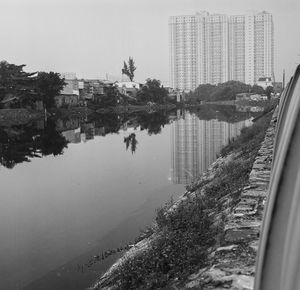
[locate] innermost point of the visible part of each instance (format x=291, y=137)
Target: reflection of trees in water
x=225, y=113
x=51, y=141
x=20, y=143
x=111, y=122
x=154, y=122
x=131, y=141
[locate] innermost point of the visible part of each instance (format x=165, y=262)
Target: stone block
x=240, y=235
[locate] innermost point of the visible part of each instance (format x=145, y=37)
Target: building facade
x=183, y=51
x=237, y=48
x=216, y=48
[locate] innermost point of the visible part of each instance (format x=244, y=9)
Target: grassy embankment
x=186, y=235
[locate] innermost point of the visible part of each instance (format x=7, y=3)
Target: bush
x=181, y=247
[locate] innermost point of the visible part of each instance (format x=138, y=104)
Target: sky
x=93, y=37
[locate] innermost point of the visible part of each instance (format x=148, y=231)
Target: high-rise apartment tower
x=216, y=48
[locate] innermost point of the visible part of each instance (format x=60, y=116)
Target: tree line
x=23, y=142
x=27, y=88
x=23, y=89
x=225, y=91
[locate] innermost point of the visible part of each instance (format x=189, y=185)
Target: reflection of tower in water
x=196, y=144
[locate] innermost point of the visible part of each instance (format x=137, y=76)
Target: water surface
x=76, y=187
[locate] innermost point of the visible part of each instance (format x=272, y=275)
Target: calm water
x=73, y=188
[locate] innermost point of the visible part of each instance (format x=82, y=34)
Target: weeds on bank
x=181, y=246
x=186, y=234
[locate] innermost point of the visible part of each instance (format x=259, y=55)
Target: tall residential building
x=259, y=46
x=237, y=48
x=216, y=48
x=198, y=50
x=184, y=43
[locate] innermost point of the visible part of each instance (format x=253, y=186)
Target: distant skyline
x=93, y=37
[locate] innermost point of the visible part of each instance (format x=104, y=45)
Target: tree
x=268, y=91
x=153, y=122
x=202, y=92
x=222, y=91
x=49, y=85
x=50, y=141
x=131, y=141
x=20, y=143
x=110, y=97
x=14, y=81
x=257, y=90
x=152, y=91
x=128, y=69
x=29, y=87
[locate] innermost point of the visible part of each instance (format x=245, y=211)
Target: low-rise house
x=90, y=89
x=250, y=97
x=71, y=87
x=256, y=109
x=265, y=82
x=67, y=124
x=128, y=85
x=175, y=94
x=69, y=95
x=68, y=75
x=72, y=136
x=277, y=87
x=96, y=87
x=66, y=100
x=128, y=88
x=89, y=130
x=257, y=97
x=99, y=131
x=242, y=96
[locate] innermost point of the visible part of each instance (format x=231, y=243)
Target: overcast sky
x=93, y=37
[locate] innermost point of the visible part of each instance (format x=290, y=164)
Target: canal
x=74, y=188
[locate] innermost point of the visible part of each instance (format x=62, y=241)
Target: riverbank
x=188, y=232
x=11, y=117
